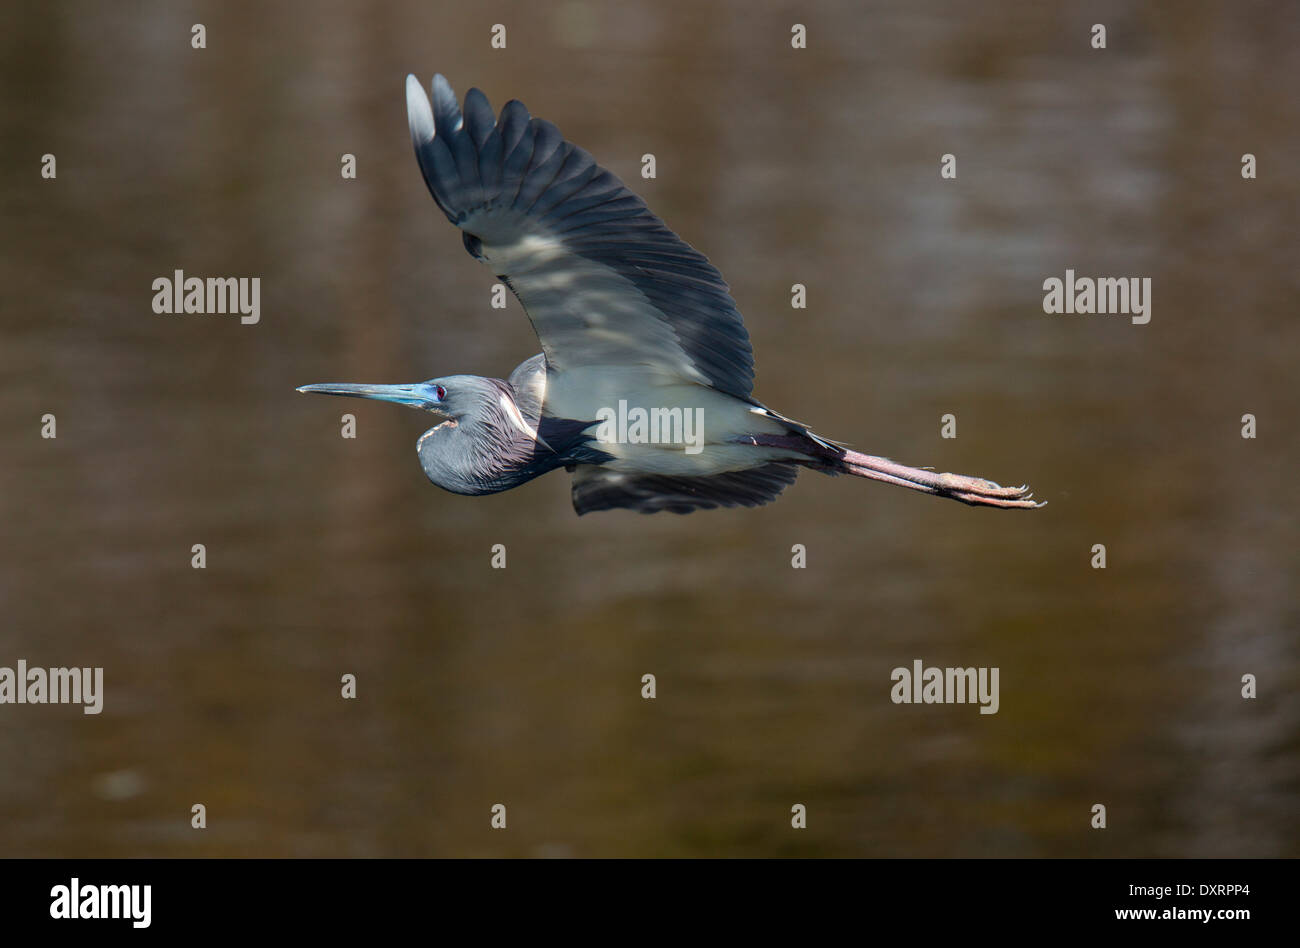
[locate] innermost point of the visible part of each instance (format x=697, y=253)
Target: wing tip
x=419, y=113
x=444, y=101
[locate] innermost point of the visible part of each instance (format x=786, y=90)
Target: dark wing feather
x=603, y=280
x=599, y=488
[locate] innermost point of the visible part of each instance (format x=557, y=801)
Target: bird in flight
x=642, y=389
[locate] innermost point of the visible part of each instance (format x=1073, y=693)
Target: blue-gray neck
x=494, y=444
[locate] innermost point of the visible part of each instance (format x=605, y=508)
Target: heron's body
x=628, y=315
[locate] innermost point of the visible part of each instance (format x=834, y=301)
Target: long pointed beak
x=415, y=395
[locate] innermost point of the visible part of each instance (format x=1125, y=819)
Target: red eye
x=440, y=392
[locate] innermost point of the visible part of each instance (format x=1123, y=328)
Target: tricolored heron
x=628, y=314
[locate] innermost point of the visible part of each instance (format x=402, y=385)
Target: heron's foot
x=979, y=492
x=975, y=491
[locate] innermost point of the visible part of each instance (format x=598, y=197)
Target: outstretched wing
x=599, y=488
x=603, y=280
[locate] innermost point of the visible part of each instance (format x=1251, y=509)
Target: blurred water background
x=522, y=686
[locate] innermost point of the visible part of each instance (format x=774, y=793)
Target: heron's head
x=452, y=396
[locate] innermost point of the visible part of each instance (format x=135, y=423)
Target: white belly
x=682, y=429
